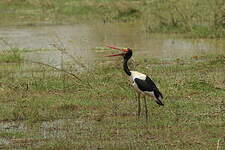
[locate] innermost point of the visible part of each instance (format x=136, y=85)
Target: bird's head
x=126, y=52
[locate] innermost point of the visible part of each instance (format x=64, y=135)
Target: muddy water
x=80, y=40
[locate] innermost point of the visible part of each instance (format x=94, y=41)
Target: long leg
x=146, y=108
x=139, y=105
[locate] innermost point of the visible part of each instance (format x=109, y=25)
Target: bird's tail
x=158, y=98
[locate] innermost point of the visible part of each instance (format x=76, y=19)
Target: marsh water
x=83, y=40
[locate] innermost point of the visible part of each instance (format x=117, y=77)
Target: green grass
x=11, y=135
x=202, y=18
x=47, y=109
x=10, y=56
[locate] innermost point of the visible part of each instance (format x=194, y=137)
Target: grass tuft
x=10, y=56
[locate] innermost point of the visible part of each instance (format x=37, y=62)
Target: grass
x=42, y=108
x=202, y=18
x=10, y=56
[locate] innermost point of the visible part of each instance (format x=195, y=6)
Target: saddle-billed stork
x=141, y=82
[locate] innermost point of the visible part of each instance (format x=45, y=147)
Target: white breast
x=135, y=74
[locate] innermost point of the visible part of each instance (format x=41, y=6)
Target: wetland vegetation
x=46, y=108
x=202, y=18
x=70, y=105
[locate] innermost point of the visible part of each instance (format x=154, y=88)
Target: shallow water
x=80, y=40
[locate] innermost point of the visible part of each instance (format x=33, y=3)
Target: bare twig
x=62, y=70
x=68, y=54
x=61, y=48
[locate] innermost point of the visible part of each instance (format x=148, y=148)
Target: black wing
x=149, y=85
x=146, y=85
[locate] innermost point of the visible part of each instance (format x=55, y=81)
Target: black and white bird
x=141, y=82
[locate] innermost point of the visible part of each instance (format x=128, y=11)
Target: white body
x=135, y=74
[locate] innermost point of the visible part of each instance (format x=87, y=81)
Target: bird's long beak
x=124, y=50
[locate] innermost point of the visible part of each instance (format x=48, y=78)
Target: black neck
x=125, y=67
